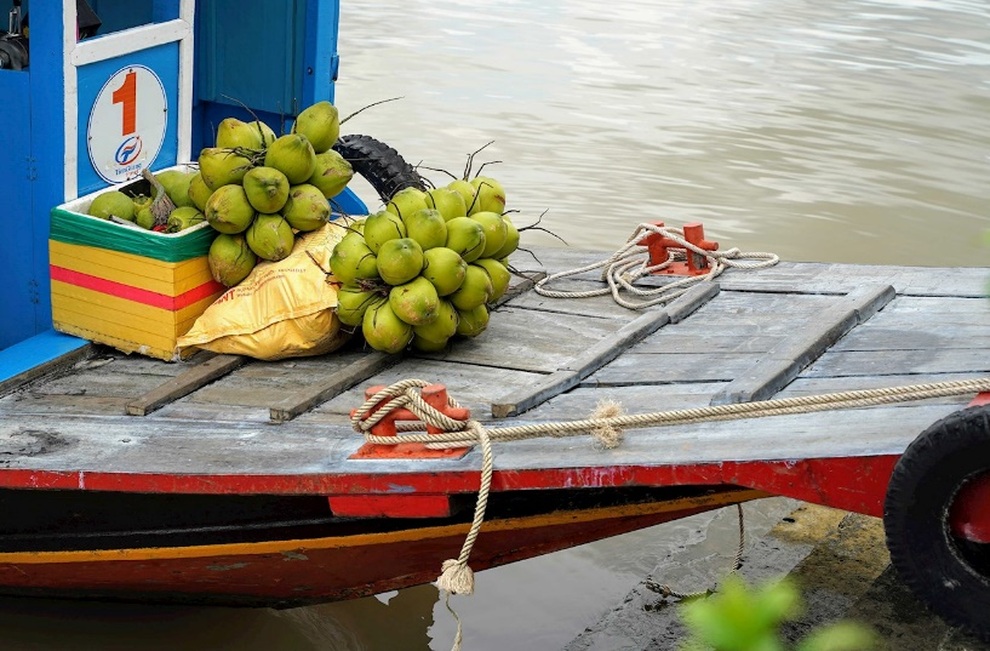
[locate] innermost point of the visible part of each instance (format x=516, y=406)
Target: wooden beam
x=213, y=367
x=785, y=361
x=603, y=352
x=332, y=385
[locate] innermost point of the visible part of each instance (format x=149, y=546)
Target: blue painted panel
x=163, y=60
x=276, y=63
x=47, y=125
x=19, y=290
x=320, y=51
x=41, y=348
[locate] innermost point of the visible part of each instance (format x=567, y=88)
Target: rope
x=665, y=590
x=631, y=262
x=461, y=433
x=606, y=425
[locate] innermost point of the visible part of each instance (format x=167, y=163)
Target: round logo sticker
x=127, y=124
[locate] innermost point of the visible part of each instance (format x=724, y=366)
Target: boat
x=222, y=479
x=227, y=480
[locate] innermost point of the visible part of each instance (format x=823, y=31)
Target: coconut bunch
x=169, y=188
x=425, y=269
x=260, y=191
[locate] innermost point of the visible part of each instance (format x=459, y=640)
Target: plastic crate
x=133, y=289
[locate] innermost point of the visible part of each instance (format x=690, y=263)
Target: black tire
x=382, y=166
x=948, y=575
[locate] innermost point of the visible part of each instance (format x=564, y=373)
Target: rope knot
x=608, y=435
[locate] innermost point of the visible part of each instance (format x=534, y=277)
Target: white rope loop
x=623, y=268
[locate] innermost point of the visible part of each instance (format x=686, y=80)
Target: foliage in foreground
x=743, y=618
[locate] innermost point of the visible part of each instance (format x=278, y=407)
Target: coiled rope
x=606, y=425
x=631, y=262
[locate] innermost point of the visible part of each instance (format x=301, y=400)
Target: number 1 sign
x=127, y=124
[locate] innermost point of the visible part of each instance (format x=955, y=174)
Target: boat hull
x=300, y=572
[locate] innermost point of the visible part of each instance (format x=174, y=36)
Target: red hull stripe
x=135, y=294
x=849, y=483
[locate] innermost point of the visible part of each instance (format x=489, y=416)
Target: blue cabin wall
x=275, y=62
x=19, y=296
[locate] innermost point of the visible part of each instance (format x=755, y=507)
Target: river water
x=847, y=131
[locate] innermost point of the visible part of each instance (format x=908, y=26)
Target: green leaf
x=841, y=636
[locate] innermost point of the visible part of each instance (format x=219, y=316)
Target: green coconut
x=228, y=209
x=352, y=260
x=399, y=261
x=353, y=301
x=473, y=322
x=467, y=237
x=495, y=229
x=382, y=226
x=406, y=201
x=474, y=291
x=511, y=240
x=113, y=202
x=219, y=167
x=449, y=202
x=232, y=132
x=293, y=155
x=427, y=227
x=385, y=331
x=332, y=173
x=176, y=184
x=267, y=189
x=182, y=218
x=497, y=273
x=491, y=195
x=445, y=268
x=230, y=259
x=270, y=237
x=443, y=327
x=306, y=209
x=199, y=192
x=320, y=123
x=415, y=302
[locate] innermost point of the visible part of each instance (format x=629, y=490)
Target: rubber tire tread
x=921, y=489
x=382, y=166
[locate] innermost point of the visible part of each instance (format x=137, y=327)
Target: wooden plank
x=787, y=358
x=206, y=371
x=634, y=368
x=603, y=352
x=154, y=446
x=581, y=401
x=918, y=337
x=528, y=340
x=519, y=287
x=327, y=387
x=808, y=386
x=687, y=303
x=900, y=362
x=525, y=399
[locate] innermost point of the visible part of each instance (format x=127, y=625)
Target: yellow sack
x=282, y=309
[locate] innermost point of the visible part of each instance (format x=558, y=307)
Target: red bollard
x=401, y=504
x=434, y=395
x=694, y=264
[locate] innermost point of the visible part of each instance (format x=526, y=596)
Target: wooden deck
x=226, y=424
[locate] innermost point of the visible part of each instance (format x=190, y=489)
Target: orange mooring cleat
x=694, y=264
x=434, y=395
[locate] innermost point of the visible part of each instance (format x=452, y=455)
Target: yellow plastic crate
x=126, y=287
